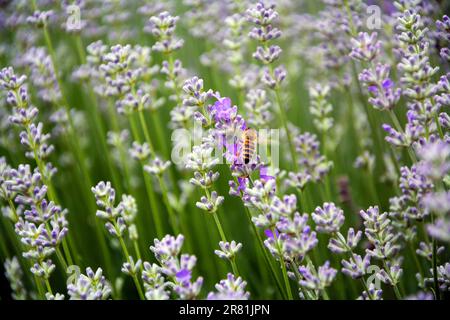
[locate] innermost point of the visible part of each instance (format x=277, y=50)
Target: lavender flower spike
x=328, y=219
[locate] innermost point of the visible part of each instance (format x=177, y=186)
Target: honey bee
x=249, y=138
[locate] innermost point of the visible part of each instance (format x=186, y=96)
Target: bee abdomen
x=249, y=145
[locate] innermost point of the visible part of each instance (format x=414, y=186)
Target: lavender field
x=224, y=150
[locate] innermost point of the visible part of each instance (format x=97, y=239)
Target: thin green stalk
x=137, y=250
x=148, y=185
x=395, y=287
x=283, y=266
x=172, y=217
x=325, y=294
x=437, y=291
x=78, y=152
x=434, y=265
x=122, y=152
x=165, y=150
x=39, y=288
x=128, y=258
x=372, y=187
x=3, y=246
x=265, y=254
x=159, y=133
x=153, y=207
x=282, y=114
x=97, y=120
x=219, y=227
x=48, y=286
x=164, y=190
x=416, y=260
x=224, y=239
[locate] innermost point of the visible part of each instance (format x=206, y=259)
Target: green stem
x=164, y=190
x=172, y=217
x=416, y=260
x=283, y=266
x=77, y=151
x=395, y=287
x=128, y=258
x=282, y=114
x=148, y=184
x=219, y=227
x=265, y=253
x=48, y=286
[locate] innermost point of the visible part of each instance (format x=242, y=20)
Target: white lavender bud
x=167, y=247
x=131, y=268
x=211, y=203
x=356, y=267
x=127, y=208
x=204, y=180
x=338, y=244
x=140, y=152
x=320, y=108
x=201, y=158
x=163, y=27
x=133, y=232
x=298, y=180
x=328, y=219
x=56, y=296
x=391, y=276
x=92, y=286
x=228, y=250
x=365, y=47
x=231, y=288
x=14, y=274
x=372, y=294
x=317, y=280
x=40, y=18
x=43, y=269
x=105, y=196
x=380, y=233
x=157, y=166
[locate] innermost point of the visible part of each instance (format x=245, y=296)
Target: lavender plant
x=162, y=151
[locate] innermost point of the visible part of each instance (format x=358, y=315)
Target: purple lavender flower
x=383, y=94
x=92, y=286
x=421, y=295
x=328, y=219
x=308, y=148
x=167, y=247
x=228, y=250
x=163, y=27
x=414, y=186
x=379, y=231
x=365, y=47
x=298, y=238
x=372, y=293
x=435, y=157
x=443, y=28
x=440, y=229
x=231, y=288
x=356, y=267
x=14, y=274
x=443, y=275
x=339, y=244
x=317, y=280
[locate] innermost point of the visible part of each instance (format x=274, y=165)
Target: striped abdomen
x=249, y=139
